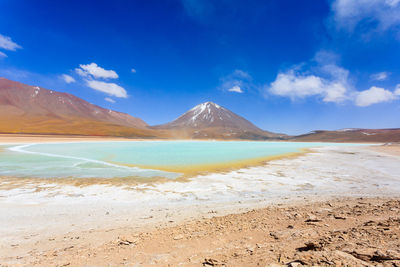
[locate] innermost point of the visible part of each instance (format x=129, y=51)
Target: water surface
x=133, y=158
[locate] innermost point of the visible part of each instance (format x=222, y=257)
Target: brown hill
x=209, y=120
x=32, y=109
x=352, y=135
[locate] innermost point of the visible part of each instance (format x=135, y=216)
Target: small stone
x=125, y=241
x=178, y=237
x=211, y=262
x=312, y=218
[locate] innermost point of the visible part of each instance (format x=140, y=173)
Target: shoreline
x=187, y=171
x=201, y=169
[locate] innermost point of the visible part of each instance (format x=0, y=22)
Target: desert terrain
x=338, y=232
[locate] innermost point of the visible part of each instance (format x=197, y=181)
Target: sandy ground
x=209, y=220
x=351, y=232
x=393, y=149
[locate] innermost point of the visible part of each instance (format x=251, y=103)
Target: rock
x=126, y=242
x=349, y=258
x=369, y=223
x=274, y=235
x=388, y=255
x=178, y=237
x=297, y=215
x=313, y=218
x=338, y=217
x=212, y=262
x=295, y=263
x=146, y=217
x=362, y=254
x=310, y=246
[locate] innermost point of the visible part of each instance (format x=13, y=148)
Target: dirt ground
x=340, y=232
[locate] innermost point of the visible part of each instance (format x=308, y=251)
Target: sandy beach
x=245, y=217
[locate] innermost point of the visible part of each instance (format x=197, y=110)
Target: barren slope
x=32, y=109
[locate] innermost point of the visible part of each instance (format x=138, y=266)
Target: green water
x=109, y=159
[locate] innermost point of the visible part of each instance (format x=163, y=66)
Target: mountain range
x=351, y=135
x=35, y=110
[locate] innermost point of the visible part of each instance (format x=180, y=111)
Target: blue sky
x=287, y=66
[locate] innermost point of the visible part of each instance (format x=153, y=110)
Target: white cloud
x=236, y=89
x=80, y=72
x=133, y=70
x=109, y=100
x=2, y=55
x=380, y=76
x=111, y=89
x=7, y=44
x=67, y=78
x=294, y=86
x=238, y=82
x=374, y=95
x=242, y=75
x=93, y=70
x=397, y=90
x=321, y=77
x=380, y=14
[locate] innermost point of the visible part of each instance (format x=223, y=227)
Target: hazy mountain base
x=73, y=126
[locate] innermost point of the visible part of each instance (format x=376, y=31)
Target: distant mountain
x=32, y=109
x=352, y=135
x=209, y=120
x=36, y=110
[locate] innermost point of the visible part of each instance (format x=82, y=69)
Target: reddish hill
x=352, y=135
x=32, y=109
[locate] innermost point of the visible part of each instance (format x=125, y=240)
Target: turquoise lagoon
x=121, y=158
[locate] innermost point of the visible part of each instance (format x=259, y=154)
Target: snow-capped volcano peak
x=205, y=111
x=209, y=114
x=205, y=107
x=210, y=120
